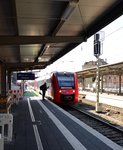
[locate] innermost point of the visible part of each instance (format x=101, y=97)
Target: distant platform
x=109, y=99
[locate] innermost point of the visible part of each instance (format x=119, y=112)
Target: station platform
x=42, y=125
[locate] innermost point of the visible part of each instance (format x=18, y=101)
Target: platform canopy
x=35, y=33
x=112, y=69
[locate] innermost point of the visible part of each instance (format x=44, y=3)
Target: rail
x=106, y=128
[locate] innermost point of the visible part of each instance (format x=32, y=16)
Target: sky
x=112, y=50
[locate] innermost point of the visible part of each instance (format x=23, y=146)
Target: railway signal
x=97, y=46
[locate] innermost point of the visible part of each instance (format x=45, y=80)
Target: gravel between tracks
x=109, y=113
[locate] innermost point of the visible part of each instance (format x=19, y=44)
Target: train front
x=65, y=88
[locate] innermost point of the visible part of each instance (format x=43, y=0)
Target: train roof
x=64, y=73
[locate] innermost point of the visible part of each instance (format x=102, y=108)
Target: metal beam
x=106, y=18
x=25, y=64
x=66, y=13
x=110, y=15
x=40, y=53
x=24, y=68
x=64, y=51
x=17, y=40
x=15, y=21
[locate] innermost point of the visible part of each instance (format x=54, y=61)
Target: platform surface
x=42, y=125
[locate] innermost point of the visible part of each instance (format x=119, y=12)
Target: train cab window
x=66, y=80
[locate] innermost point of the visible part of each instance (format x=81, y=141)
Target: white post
x=98, y=105
x=1, y=143
x=6, y=119
x=10, y=127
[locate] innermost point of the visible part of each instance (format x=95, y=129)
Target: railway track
x=107, y=129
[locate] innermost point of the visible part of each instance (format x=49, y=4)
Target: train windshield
x=65, y=80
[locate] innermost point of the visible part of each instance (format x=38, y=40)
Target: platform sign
x=25, y=76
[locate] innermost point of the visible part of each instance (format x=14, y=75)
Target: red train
x=63, y=87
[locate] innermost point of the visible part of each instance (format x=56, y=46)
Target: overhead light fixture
x=48, y=46
x=26, y=59
x=71, y=6
x=39, y=58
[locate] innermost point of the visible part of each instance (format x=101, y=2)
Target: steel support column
x=3, y=80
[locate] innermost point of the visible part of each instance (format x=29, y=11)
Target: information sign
x=25, y=76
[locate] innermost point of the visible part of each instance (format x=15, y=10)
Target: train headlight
x=73, y=91
x=59, y=91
